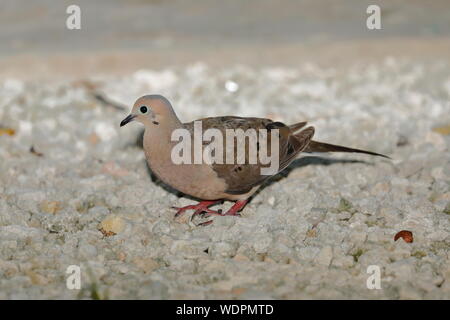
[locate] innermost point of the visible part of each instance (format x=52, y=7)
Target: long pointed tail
x=315, y=146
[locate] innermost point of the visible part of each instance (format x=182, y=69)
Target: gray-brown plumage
x=218, y=181
x=242, y=178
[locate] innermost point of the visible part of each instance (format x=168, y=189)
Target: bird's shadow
x=304, y=162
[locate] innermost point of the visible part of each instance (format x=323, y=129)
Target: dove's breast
x=197, y=180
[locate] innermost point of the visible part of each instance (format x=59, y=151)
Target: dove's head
x=152, y=111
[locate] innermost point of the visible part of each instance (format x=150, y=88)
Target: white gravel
x=311, y=234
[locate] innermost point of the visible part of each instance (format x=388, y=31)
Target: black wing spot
x=275, y=125
x=290, y=149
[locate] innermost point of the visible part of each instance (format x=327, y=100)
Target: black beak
x=129, y=118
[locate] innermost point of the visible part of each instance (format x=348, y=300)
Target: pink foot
x=238, y=206
x=201, y=207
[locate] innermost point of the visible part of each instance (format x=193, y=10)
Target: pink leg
x=238, y=206
x=199, y=208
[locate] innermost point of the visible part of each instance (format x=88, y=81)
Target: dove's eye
x=143, y=109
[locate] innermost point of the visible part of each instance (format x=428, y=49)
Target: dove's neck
x=158, y=144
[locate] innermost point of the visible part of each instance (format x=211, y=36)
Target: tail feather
x=297, y=126
x=315, y=146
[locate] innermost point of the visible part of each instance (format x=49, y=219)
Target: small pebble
x=112, y=225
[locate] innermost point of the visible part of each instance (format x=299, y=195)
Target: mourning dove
x=214, y=182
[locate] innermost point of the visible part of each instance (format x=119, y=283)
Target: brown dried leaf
x=406, y=235
x=7, y=131
x=445, y=130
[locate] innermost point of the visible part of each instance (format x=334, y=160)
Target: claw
x=206, y=223
x=181, y=210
